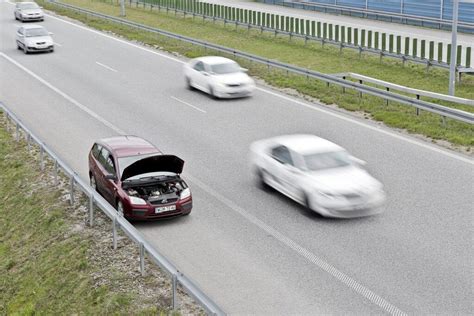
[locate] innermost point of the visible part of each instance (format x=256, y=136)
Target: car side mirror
x=358, y=161
x=41, y=7
x=20, y=35
x=244, y=69
x=111, y=177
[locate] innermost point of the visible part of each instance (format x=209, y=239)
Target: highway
x=255, y=252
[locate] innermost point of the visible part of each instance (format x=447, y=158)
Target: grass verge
x=314, y=56
x=51, y=263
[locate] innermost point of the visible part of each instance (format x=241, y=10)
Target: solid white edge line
x=64, y=95
x=106, y=67
x=188, y=104
x=310, y=106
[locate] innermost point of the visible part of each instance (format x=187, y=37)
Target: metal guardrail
x=401, y=88
x=327, y=7
x=118, y=221
x=172, y=6
x=329, y=79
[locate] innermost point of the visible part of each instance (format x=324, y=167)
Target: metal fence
x=118, y=221
x=433, y=13
x=328, y=79
x=430, y=53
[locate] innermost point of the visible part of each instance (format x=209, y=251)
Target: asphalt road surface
x=255, y=252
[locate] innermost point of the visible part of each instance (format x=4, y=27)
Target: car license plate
x=165, y=209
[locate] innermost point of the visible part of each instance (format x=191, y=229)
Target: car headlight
x=185, y=194
x=137, y=201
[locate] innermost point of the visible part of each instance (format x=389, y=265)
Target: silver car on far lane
x=28, y=11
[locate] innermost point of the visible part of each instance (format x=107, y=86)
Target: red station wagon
x=138, y=179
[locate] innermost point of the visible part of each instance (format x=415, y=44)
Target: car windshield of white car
x=36, y=32
x=327, y=160
x=28, y=6
x=226, y=68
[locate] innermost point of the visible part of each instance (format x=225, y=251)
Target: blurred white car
x=218, y=76
x=34, y=38
x=28, y=11
x=318, y=174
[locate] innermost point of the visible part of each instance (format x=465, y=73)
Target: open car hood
x=158, y=163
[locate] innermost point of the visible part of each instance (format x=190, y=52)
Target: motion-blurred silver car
x=218, y=76
x=34, y=38
x=28, y=11
x=317, y=174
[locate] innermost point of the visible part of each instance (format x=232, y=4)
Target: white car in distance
x=318, y=174
x=34, y=38
x=218, y=76
x=28, y=11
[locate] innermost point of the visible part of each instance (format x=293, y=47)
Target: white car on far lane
x=317, y=174
x=218, y=76
x=28, y=11
x=34, y=38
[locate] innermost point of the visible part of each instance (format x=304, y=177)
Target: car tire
x=51, y=50
x=18, y=46
x=120, y=209
x=262, y=183
x=188, y=84
x=212, y=93
x=93, y=183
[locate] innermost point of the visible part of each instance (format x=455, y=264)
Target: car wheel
x=93, y=183
x=120, y=208
x=263, y=180
x=51, y=50
x=212, y=93
x=18, y=46
x=189, y=84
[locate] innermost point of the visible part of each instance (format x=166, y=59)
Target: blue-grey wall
x=428, y=8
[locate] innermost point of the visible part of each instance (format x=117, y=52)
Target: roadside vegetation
x=326, y=59
x=52, y=263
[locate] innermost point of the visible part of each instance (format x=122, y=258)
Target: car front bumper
x=148, y=212
x=32, y=17
x=40, y=48
x=233, y=92
x=351, y=209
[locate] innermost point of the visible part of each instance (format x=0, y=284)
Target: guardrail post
x=142, y=259
x=17, y=132
x=174, y=302
x=417, y=109
x=114, y=232
x=41, y=157
x=91, y=210
x=71, y=189
x=28, y=141
x=7, y=118
x=55, y=172
x=386, y=101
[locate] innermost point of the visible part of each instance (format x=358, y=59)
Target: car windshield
x=327, y=160
x=36, y=32
x=28, y=6
x=226, y=68
x=124, y=162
